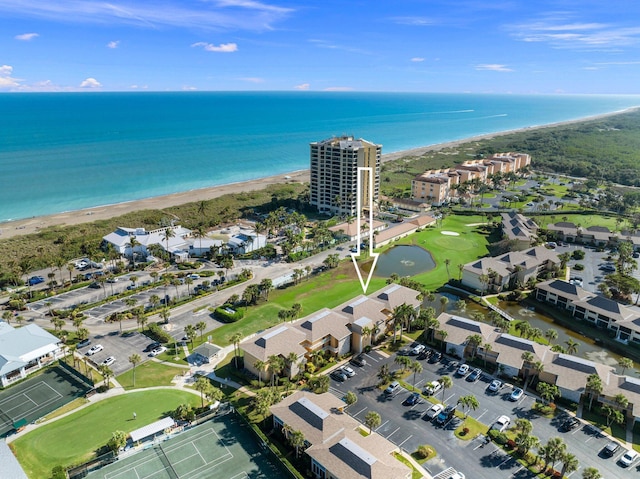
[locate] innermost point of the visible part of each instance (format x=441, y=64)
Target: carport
x=152, y=429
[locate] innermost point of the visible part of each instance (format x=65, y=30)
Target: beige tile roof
x=352, y=456
x=565, y=289
x=459, y=329
x=335, y=441
x=281, y=339
x=395, y=295
x=315, y=415
x=628, y=386
x=361, y=306
x=324, y=323
x=572, y=372
x=351, y=229
x=510, y=349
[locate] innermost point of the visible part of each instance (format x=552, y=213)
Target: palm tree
x=474, y=341
x=551, y=335
x=548, y=392
x=621, y=401
x=486, y=349
x=468, y=403
x=107, y=374
x=166, y=235
x=625, y=363
x=275, y=364
x=446, y=383
x=190, y=332
x=443, y=303
x=297, y=441
x=201, y=326
x=259, y=365
x=569, y=464
x=594, y=387
x=527, y=357
x=447, y=262
x=131, y=244
x=202, y=385
x=372, y=420
x=591, y=473
x=134, y=359
x=572, y=346
x=416, y=368
x=613, y=415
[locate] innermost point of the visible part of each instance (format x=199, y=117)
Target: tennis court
x=37, y=397
x=223, y=448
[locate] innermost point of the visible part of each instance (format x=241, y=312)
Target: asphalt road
x=403, y=425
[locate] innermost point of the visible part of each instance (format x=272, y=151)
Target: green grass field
x=583, y=220
x=75, y=438
x=148, y=374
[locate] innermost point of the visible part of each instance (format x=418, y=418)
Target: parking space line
x=505, y=461
x=483, y=413
x=446, y=401
x=382, y=424
x=361, y=410
x=400, y=445
x=515, y=473
x=397, y=429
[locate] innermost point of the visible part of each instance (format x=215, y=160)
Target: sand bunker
x=450, y=233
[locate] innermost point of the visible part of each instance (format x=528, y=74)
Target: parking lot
x=120, y=347
x=404, y=426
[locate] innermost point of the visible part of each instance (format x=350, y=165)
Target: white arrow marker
x=355, y=256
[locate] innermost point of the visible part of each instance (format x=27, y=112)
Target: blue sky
x=510, y=46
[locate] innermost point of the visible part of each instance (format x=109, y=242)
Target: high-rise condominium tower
x=334, y=174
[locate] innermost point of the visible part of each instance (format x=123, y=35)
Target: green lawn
x=583, y=220
x=148, y=374
x=471, y=244
x=75, y=438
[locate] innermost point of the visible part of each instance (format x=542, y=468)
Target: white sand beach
x=32, y=225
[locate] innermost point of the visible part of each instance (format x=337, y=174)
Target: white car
x=94, y=349
x=433, y=411
x=432, y=387
x=109, y=361
x=456, y=475
x=157, y=351
x=628, y=458
x=516, y=395
x=501, y=423
x=417, y=350
x=463, y=369
x=348, y=371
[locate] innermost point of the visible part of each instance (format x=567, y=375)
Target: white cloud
x=560, y=33
x=139, y=87
x=415, y=21
x=90, y=83
x=302, y=86
x=222, y=48
x=6, y=80
x=188, y=88
x=493, y=67
x=25, y=37
x=209, y=15
x=417, y=59
x=113, y=44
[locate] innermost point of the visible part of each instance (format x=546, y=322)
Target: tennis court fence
x=84, y=469
x=75, y=373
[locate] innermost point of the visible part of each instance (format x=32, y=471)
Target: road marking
x=447, y=400
x=382, y=424
x=397, y=429
x=505, y=461
x=361, y=410
x=517, y=471
x=420, y=382
x=483, y=413
x=400, y=445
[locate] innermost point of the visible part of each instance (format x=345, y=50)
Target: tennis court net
x=165, y=462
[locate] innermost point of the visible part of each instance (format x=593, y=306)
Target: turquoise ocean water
x=68, y=151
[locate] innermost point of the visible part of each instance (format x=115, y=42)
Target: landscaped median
x=75, y=439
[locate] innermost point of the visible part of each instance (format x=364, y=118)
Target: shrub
x=578, y=267
x=156, y=332
x=577, y=254
x=424, y=451
x=227, y=314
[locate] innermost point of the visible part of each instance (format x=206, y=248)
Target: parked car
x=84, y=343
x=158, y=350
x=109, y=361
x=494, y=386
x=426, y=354
x=501, y=423
x=445, y=416
x=95, y=349
x=456, y=475
x=412, y=400
x=570, y=424
x=359, y=360
x=462, y=370
x=433, y=411
x=417, y=350
x=435, y=357
x=628, y=458
x=475, y=375
x=35, y=280
x=338, y=375
x=113, y=279
x=194, y=276
x=95, y=285
x=610, y=449
x=516, y=395
x=393, y=389
x=348, y=371
x=432, y=387
x=151, y=347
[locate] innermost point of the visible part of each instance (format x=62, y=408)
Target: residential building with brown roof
x=459, y=329
x=336, y=448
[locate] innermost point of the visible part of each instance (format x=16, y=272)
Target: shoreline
x=25, y=226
